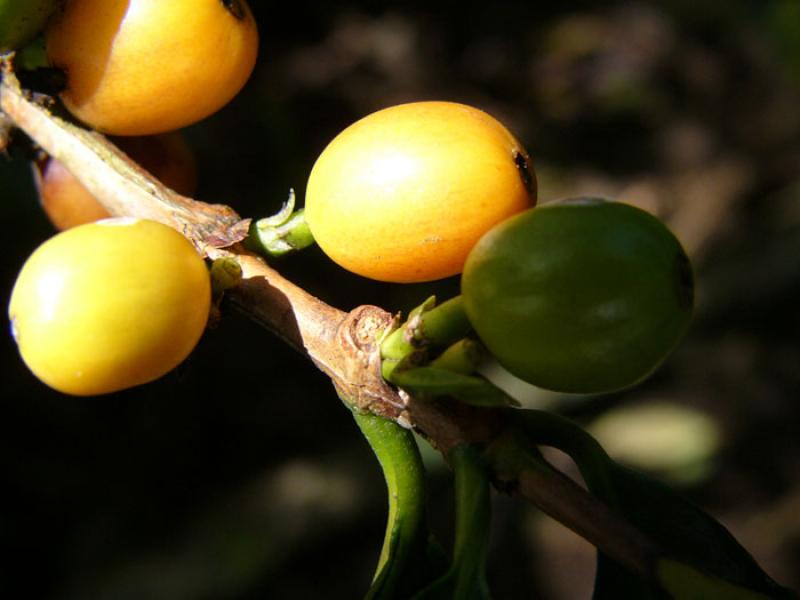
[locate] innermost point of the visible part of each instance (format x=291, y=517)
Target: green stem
x=466, y=577
x=278, y=240
x=439, y=326
x=548, y=429
x=462, y=357
x=433, y=382
x=444, y=324
x=406, y=533
x=473, y=519
x=282, y=233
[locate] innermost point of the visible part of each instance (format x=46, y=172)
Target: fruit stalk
x=428, y=325
x=282, y=233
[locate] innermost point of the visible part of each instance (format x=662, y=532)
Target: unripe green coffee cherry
x=579, y=296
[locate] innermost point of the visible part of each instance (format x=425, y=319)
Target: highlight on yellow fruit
x=403, y=194
x=67, y=203
x=139, y=67
x=109, y=305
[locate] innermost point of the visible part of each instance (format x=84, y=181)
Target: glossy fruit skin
x=580, y=296
x=68, y=204
x=140, y=67
x=21, y=20
x=109, y=305
x=403, y=194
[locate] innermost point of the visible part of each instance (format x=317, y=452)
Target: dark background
x=241, y=476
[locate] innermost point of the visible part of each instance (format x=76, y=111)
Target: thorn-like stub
x=413, y=332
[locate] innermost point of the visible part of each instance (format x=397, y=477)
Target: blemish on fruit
x=235, y=7
x=523, y=166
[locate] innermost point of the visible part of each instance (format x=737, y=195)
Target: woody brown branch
x=342, y=345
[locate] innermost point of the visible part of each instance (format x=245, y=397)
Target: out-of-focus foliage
x=675, y=441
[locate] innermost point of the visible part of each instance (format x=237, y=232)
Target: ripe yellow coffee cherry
x=109, y=305
x=68, y=204
x=403, y=194
x=139, y=67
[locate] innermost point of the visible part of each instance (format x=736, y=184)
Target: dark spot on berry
x=523, y=166
x=236, y=8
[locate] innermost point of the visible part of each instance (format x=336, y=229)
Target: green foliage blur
x=241, y=476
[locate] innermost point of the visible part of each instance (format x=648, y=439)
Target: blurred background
x=241, y=476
